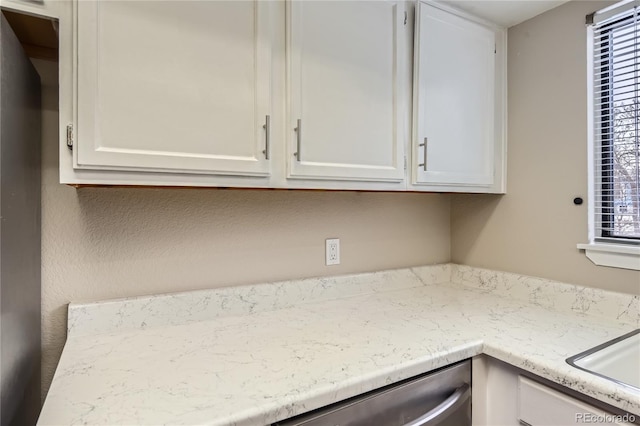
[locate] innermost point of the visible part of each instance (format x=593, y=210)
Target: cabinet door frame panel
x=439, y=180
x=340, y=171
x=88, y=154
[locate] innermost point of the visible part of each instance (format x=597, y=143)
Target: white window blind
x=616, y=109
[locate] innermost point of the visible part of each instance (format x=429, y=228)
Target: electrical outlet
x=332, y=251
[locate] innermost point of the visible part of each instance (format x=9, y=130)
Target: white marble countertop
x=257, y=354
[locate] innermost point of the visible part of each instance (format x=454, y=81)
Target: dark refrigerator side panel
x=20, y=136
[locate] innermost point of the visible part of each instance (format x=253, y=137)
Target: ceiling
x=505, y=12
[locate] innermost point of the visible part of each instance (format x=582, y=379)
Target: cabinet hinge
x=70, y=136
x=495, y=49
x=405, y=163
x=405, y=18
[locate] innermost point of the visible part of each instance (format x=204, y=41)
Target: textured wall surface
x=534, y=229
x=101, y=243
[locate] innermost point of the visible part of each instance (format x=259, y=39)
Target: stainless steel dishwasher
x=440, y=398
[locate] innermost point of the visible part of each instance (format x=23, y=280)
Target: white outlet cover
x=332, y=251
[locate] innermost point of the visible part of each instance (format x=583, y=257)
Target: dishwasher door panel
x=442, y=398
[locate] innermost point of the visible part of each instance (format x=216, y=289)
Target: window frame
x=607, y=249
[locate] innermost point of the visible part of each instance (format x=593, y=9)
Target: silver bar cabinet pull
x=298, y=131
x=424, y=155
x=267, y=135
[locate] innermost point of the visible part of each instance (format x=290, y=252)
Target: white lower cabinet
x=503, y=396
x=539, y=405
x=279, y=94
x=458, y=109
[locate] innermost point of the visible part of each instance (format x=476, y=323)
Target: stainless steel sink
x=617, y=360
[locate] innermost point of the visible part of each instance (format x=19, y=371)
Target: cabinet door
x=173, y=86
x=346, y=110
x=454, y=99
x=539, y=405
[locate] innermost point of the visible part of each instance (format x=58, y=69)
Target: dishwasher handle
x=453, y=402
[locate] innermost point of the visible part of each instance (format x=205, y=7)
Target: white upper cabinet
x=281, y=94
x=459, y=87
x=345, y=69
x=171, y=86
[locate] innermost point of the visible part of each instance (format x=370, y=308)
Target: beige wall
x=101, y=243
x=534, y=229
